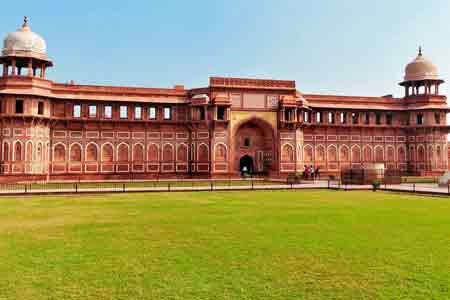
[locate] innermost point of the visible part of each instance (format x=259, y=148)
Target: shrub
x=375, y=184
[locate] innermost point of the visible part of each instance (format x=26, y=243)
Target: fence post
x=414, y=187
x=448, y=189
x=211, y=184
x=76, y=187
x=328, y=183
x=25, y=188
x=168, y=186
x=123, y=187
x=252, y=184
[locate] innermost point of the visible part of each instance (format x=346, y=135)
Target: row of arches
x=123, y=152
x=28, y=151
x=356, y=153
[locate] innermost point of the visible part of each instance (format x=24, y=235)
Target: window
x=167, y=113
x=306, y=117
x=419, y=119
x=331, y=117
x=40, y=108
x=366, y=118
x=220, y=113
x=138, y=112
x=152, y=113
x=437, y=118
x=19, y=106
x=378, y=118
x=355, y=118
x=247, y=142
x=107, y=111
x=76, y=110
x=202, y=113
x=123, y=111
x=318, y=117
x=92, y=111
x=343, y=117
x=389, y=118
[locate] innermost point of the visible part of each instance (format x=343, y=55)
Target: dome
x=24, y=42
x=421, y=69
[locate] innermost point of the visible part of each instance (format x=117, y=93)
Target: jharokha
x=58, y=131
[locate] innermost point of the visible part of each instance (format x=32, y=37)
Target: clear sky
x=350, y=47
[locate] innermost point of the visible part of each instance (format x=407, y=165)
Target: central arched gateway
x=254, y=147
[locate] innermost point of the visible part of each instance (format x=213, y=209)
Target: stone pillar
x=13, y=65
x=5, y=69
x=30, y=67
x=42, y=70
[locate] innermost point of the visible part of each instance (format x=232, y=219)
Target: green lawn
x=225, y=245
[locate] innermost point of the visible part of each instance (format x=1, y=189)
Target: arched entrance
x=254, y=147
x=246, y=164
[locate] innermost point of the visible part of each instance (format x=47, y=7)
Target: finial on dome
x=420, y=50
x=25, y=21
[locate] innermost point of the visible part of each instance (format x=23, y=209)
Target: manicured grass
x=420, y=179
x=225, y=245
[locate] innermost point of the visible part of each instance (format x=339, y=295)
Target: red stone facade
x=68, y=131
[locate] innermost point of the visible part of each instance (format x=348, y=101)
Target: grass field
x=225, y=245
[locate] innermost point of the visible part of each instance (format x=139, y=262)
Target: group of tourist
x=311, y=172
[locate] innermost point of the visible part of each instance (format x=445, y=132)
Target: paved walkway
x=414, y=188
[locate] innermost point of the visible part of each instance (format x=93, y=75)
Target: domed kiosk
x=421, y=77
x=24, y=49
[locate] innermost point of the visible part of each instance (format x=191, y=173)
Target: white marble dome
x=24, y=41
x=421, y=68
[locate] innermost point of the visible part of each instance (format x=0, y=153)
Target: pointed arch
x=59, y=152
x=5, y=151
x=287, y=153
x=18, y=151
x=221, y=152
x=390, y=153
x=107, y=152
x=138, y=152
x=420, y=153
x=320, y=153
x=91, y=153
x=153, y=152
x=29, y=151
x=332, y=153
x=167, y=153
x=123, y=152
x=182, y=152
x=401, y=154
x=75, y=152
x=344, y=154
x=356, y=153
x=299, y=153
x=379, y=154
x=412, y=153
x=308, y=153
x=203, y=153
x=430, y=153
x=367, y=153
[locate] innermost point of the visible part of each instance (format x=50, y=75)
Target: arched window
x=401, y=154
x=367, y=154
x=91, y=152
x=390, y=153
x=39, y=155
x=379, y=154
x=221, y=152
x=203, y=153
x=182, y=153
x=320, y=153
x=287, y=153
x=420, y=153
x=138, y=152
x=107, y=153
x=167, y=153
x=343, y=155
x=123, y=153
x=356, y=154
x=75, y=152
x=59, y=153
x=5, y=151
x=29, y=151
x=18, y=151
x=308, y=153
x=152, y=153
x=332, y=153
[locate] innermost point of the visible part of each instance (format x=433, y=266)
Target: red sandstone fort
x=66, y=131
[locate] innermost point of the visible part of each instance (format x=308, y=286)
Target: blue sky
x=351, y=47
